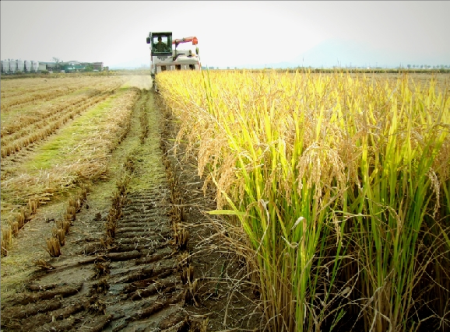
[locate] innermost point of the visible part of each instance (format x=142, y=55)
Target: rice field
x=339, y=185
x=57, y=135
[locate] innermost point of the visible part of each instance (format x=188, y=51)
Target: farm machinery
x=164, y=54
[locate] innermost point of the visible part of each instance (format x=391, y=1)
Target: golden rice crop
x=341, y=184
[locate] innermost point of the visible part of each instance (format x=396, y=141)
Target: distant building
x=5, y=66
x=47, y=66
x=20, y=65
x=11, y=66
x=42, y=66
x=34, y=66
x=97, y=66
x=71, y=66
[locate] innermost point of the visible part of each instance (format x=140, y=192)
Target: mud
x=149, y=260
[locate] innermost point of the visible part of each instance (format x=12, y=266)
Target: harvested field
x=106, y=228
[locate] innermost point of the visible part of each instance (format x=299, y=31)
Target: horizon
x=231, y=34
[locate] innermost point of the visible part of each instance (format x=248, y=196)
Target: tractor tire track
x=136, y=278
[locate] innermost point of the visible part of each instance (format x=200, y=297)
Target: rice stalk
x=333, y=179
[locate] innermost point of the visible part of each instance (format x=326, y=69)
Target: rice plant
x=341, y=185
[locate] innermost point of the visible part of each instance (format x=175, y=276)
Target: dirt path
x=140, y=256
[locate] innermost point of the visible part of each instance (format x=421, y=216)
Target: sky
x=230, y=34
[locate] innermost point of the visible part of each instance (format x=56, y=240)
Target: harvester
x=164, y=54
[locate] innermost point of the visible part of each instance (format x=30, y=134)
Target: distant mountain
x=346, y=53
x=132, y=64
x=343, y=53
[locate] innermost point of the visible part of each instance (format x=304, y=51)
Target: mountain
x=346, y=53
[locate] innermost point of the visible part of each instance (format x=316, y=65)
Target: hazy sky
x=231, y=33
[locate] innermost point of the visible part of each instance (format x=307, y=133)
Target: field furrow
x=33, y=85
x=10, y=103
x=80, y=151
x=23, y=118
x=45, y=127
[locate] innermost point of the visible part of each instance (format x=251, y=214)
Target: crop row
x=45, y=128
x=53, y=91
x=13, y=88
x=20, y=87
x=96, y=133
x=26, y=124
x=22, y=118
x=11, y=228
x=81, y=149
x=21, y=122
x=40, y=96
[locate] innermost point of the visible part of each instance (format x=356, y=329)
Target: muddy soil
x=141, y=255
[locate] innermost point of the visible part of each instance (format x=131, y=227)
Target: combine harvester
x=163, y=57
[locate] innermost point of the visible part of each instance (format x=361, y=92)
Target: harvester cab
x=165, y=55
x=160, y=44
